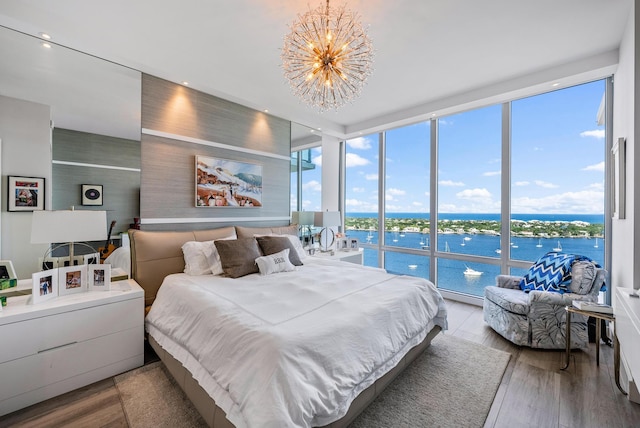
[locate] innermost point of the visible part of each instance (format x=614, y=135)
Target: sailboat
x=425, y=246
x=596, y=245
x=471, y=272
x=539, y=244
x=463, y=243
x=446, y=247
x=559, y=247
x=369, y=236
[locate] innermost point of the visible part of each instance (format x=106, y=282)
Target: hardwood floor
x=534, y=391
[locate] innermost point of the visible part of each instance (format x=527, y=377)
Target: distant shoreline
x=520, y=228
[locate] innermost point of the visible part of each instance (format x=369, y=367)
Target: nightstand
x=68, y=342
x=356, y=257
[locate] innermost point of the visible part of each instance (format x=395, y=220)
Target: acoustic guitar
x=108, y=245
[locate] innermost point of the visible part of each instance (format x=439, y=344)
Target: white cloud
x=355, y=160
x=596, y=186
x=317, y=160
x=360, y=205
x=358, y=189
x=581, y=202
x=395, y=192
x=371, y=177
x=312, y=185
x=388, y=197
x=450, y=183
x=596, y=167
x=545, y=184
x=595, y=133
x=359, y=143
x=417, y=204
x=491, y=173
x=521, y=183
x=474, y=194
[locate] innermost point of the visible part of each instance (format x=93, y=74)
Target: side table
x=616, y=345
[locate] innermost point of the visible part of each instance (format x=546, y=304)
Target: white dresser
x=68, y=342
x=627, y=311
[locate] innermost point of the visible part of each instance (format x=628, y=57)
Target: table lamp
x=326, y=220
x=304, y=219
x=68, y=226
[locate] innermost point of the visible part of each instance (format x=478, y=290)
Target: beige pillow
x=238, y=256
x=274, y=263
x=275, y=244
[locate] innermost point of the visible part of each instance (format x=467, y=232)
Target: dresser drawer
x=23, y=375
x=41, y=334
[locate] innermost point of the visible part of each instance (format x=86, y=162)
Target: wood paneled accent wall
x=179, y=123
x=83, y=158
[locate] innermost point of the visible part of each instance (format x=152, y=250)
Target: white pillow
x=202, y=258
x=274, y=263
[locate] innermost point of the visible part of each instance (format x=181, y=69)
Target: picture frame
x=91, y=258
x=342, y=244
x=25, y=193
x=221, y=183
x=45, y=285
x=92, y=194
x=354, y=244
x=618, y=182
x=99, y=277
x=6, y=270
x=72, y=279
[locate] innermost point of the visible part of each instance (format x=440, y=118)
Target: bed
x=308, y=346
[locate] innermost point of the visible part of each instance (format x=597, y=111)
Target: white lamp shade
x=302, y=218
x=327, y=219
x=68, y=226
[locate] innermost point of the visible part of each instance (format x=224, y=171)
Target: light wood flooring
x=534, y=391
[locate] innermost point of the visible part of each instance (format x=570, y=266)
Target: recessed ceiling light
x=45, y=36
x=185, y=83
x=555, y=84
x=266, y=110
x=46, y=45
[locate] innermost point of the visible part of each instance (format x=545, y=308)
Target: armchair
x=537, y=318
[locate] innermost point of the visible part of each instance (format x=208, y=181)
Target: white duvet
x=292, y=349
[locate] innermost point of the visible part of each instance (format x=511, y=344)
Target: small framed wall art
x=25, y=193
x=92, y=194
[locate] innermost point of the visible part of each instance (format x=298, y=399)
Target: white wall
x=26, y=151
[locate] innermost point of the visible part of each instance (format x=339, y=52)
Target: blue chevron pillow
x=551, y=272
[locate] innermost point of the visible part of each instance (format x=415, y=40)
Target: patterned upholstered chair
x=536, y=317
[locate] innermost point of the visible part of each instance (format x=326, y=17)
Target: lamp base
x=327, y=234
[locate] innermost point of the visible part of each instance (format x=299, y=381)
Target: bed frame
x=156, y=254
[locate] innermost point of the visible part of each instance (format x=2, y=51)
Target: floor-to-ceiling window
x=538, y=161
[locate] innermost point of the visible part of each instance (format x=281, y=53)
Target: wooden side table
x=616, y=345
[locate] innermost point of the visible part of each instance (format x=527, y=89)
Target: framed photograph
x=342, y=244
x=6, y=270
x=91, y=259
x=99, y=277
x=92, y=194
x=72, y=279
x=618, y=157
x=354, y=244
x=25, y=193
x=227, y=183
x=45, y=285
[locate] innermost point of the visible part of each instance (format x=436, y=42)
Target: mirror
x=95, y=113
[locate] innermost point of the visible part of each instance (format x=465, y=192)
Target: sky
x=558, y=153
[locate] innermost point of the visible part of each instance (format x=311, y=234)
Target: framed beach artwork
x=227, y=183
x=72, y=279
x=45, y=285
x=25, y=193
x=99, y=277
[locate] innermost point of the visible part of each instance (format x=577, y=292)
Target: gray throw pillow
x=274, y=244
x=238, y=256
x=583, y=273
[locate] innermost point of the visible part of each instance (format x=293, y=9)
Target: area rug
x=452, y=384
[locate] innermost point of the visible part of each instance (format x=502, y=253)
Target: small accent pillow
x=238, y=256
x=583, y=273
x=548, y=273
x=274, y=244
x=274, y=263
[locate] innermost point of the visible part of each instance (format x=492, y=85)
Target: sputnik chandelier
x=327, y=57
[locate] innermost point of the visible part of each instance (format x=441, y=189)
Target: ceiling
x=431, y=55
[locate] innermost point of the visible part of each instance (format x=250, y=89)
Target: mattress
x=292, y=349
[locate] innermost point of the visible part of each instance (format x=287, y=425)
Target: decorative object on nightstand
x=72, y=279
x=326, y=220
x=8, y=278
x=45, y=285
x=304, y=219
x=99, y=277
x=69, y=226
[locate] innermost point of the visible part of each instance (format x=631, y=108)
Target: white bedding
x=292, y=349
